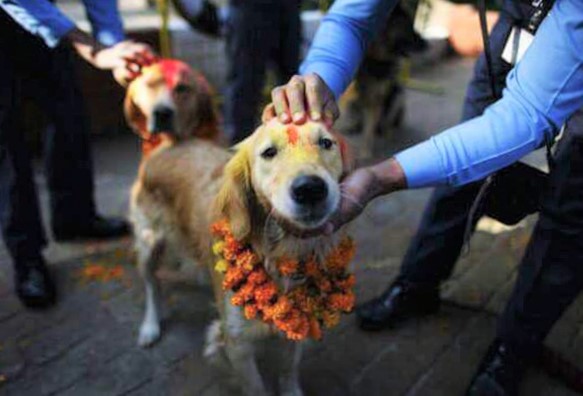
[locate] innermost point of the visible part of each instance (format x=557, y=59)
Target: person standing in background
x=259, y=34
x=36, y=48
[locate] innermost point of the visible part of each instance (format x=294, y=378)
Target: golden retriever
x=170, y=102
x=281, y=176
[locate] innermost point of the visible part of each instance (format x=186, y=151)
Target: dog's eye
x=269, y=152
x=181, y=89
x=325, y=143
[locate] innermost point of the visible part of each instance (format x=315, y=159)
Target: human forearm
x=341, y=40
x=387, y=177
x=543, y=90
x=85, y=45
x=105, y=20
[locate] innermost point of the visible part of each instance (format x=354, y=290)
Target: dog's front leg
x=149, y=253
x=241, y=355
x=289, y=379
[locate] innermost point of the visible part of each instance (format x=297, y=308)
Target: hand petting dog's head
x=171, y=99
x=290, y=171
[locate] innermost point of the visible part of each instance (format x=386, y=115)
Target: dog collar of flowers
x=326, y=293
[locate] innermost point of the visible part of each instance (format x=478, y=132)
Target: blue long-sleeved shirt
x=542, y=91
x=102, y=14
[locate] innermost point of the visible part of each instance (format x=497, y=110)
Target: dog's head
x=288, y=171
x=171, y=99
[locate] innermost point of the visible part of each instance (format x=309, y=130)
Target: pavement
x=86, y=345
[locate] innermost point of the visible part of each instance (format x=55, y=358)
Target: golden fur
x=171, y=205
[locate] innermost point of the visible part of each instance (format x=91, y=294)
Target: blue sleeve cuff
x=105, y=20
x=422, y=165
x=108, y=37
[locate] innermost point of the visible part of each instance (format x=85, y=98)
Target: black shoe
x=402, y=300
x=499, y=373
x=95, y=228
x=33, y=283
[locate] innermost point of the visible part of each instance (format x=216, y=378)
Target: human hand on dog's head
x=128, y=58
x=302, y=98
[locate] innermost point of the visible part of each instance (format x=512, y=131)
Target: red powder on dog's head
x=172, y=70
x=292, y=134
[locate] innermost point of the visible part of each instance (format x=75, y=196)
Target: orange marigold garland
x=302, y=311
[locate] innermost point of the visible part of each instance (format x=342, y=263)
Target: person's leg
x=286, y=54
x=68, y=160
x=20, y=217
x=248, y=42
x=19, y=211
x=550, y=274
x=435, y=248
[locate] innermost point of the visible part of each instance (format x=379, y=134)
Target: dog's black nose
x=163, y=119
x=309, y=190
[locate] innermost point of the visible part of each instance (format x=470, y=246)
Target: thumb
x=268, y=113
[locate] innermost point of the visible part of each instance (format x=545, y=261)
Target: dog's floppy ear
x=134, y=116
x=234, y=199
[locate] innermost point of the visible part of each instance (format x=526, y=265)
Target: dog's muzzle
x=311, y=194
x=162, y=120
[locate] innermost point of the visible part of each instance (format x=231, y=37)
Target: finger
x=314, y=97
x=280, y=104
x=149, y=57
x=331, y=111
x=296, y=92
x=268, y=113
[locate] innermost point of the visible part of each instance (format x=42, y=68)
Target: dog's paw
x=149, y=334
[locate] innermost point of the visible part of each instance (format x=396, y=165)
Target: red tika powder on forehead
x=172, y=70
x=292, y=134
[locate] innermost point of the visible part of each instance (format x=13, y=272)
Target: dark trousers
x=550, y=274
x=260, y=33
x=47, y=75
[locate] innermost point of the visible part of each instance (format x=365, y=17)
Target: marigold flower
x=221, y=266
x=257, y=276
x=347, y=283
x=218, y=247
x=246, y=260
x=233, y=277
x=231, y=249
x=324, y=285
x=264, y=293
x=288, y=267
x=278, y=310
x=338, y=260
x=299, y=313
x=330, y=318
x=250, y=311
x=246, y=292
x=312, y=269
x=315, y=330
x=341, y=301
x=220, y=228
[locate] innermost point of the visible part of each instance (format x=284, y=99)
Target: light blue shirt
x=102, y=14
x=542, y=91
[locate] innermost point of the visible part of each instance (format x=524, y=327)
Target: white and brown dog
x=280, y=176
